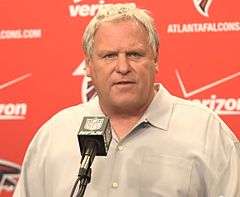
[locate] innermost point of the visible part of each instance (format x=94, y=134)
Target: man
x=163, y=146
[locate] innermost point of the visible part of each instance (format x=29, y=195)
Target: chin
x=126, y=104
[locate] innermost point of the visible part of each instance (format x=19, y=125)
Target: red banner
x=42, y=63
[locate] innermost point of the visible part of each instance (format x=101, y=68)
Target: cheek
x=153, y=72
x=95, y=72
x=147, y=75
x=101, y=71
x=100, y=79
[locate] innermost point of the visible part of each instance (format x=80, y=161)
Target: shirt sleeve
x=227, y=182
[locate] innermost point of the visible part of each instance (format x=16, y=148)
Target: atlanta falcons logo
x=9, y=175
x=88, y=90
x=202, y=6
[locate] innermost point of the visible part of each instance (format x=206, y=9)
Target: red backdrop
x=41, y=63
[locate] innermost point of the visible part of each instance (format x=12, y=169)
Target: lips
x=123, y=83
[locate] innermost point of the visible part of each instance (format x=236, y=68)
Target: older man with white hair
x=162, y=146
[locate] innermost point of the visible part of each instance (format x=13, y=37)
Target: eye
x=134, y=55
x=110, y=56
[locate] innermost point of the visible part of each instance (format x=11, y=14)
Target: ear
x=156, y=64
x=88, y=67
x=156, y=67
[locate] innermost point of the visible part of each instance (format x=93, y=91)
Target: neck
x=124, y=119
x=123, y=127
x=124, y=112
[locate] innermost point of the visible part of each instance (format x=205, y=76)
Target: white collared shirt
x=177, y=149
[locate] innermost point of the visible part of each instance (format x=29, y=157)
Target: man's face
x=122, y=66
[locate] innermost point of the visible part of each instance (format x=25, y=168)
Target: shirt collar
x=160, y=110
x=158, y=113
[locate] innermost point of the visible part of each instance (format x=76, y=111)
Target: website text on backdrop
x=162, y=145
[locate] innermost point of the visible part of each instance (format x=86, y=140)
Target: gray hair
x=114, y=12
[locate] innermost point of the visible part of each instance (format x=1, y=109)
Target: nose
x=123, y=66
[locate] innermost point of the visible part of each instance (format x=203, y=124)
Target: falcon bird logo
x=202, y=6
x=88, y=90
x=9, y=175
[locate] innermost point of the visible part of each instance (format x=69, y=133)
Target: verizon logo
x=222, y=106
x=14, y=81
x=13, y=111
x=83, y=10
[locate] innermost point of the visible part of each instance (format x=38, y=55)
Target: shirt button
x=115, y=185
x=120, y=148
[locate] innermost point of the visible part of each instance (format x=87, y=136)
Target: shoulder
x=69, y=114
x=191, y=107
x=65, y=122
x=72, y=115
x=60, y=129
x=199, y=122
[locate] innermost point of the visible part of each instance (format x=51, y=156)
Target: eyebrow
x=102, y=52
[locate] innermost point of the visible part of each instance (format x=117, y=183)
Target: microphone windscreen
x=95, y=129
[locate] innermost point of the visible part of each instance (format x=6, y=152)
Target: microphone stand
x=83, y=183
x=84, y=174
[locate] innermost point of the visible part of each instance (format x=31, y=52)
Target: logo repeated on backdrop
x=88, y=90
x=9, y=175
x=13, y=111
x=212, y=27
x=7, y=34
x=14, y=81
x=78, y=8
x=202, y=6
x=222, y=106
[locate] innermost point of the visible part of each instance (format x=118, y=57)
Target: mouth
x=124, y=83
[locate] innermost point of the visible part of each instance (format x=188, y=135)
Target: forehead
x=121, y=32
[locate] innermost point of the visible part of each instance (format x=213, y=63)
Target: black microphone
x=94, y=139
x=95, y=130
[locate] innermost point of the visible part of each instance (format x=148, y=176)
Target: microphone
x=95, y=132
x=94, y=139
